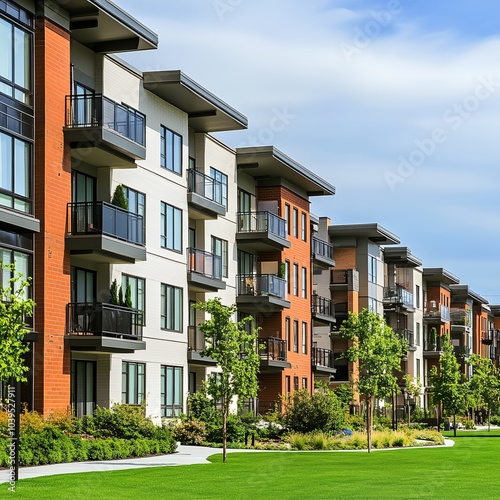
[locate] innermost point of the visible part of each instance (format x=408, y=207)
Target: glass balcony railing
x=196, y=339
x=204, y=263
x=99, y=217
x=261, y=284
x=398, y=295
x=207, y=187
x=460, y=317
x=321, y=248
x=95, y=110
x=252, y=222
x=437, y=311
x=100, y=319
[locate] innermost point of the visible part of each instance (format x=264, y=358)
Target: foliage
x=448, y=387
x=116, y=295
x=200, y=405
x=15, y=307
x=378, y=352
x=119, y=199
x=345, y=393
x=234, y=349
x=128, y=296
x=191, y=431
x=113, y=293
x=305, y=412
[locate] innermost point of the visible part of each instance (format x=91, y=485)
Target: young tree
x=485, y=383
x=378, y=352
x=235, y=351
x=448, y=387
x=119, y=198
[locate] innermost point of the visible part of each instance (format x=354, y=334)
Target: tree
x=119, y=199
x=448, y=387
x=413, y=390
x=234, y=348
x=378, y=352
x=485, y=383
x=15, y=307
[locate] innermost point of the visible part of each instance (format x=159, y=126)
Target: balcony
x=322, y=253
x=409, y=336
x=323, y=361
x=272, y=353
x=462, y=351
x=341, y=314
x=204, y=271
x=323, y=311
x=196, y=344
x=106, y=233
x=261, y=232
x=436, y=313
x=261, y=293
x=460, y=319
x=104, y=133
x=397, y=296
x=432, y=347
x=489, y=337
x=205, y=196
x=100, y=327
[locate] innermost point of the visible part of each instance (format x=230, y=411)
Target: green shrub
x=235, y=429
x=191, y=431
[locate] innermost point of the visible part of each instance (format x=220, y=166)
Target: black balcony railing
x=432, y=344
x=95, y=110
x=398, y=295
x=100, y=319
x=407, y=335
x=100, y=217
x=204, y=263
x=322, y=357
x=260, y=284
x=321, y=248
x=207, y=187
x=272, y=349
x=255, y=222
x=322, y=306
x=339, y=277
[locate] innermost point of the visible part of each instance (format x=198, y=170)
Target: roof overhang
x=440, y=274
x=267, y=162
x=104, y=27
x=206, y=112
x=463, y=292
x=373, y=231
x=401, y=256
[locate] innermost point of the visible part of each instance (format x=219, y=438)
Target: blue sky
x=395, y=102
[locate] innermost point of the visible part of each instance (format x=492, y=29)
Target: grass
x=463, y=471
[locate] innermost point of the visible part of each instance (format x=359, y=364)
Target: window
x=171, y=308
x=418, y=370
x=171, y=391
x=295, y=336
x=417, y=296
x=287, y=276
x=171, y=227
x=372, y=304
x=219, y=248
x=304, y=338
x=171, y=150
x=23, y=266
x=137, y=294
x=304, y=282
x=287, y=334
x=133, y=382
x=83, y=285
x=304, y=226
x=417, y=333
x=83, y=187
x=295, y=223
x=15, y=174
x=296, y=279
x=304, y=382
x=245, y=262
x=137, y=205
x=16, y=61
x=244, y=201
x=220, y=186
x=287, y=218
x=192, y=382
x=287, y=384
x=372, y=269
x=295, y=383
x=83, y=387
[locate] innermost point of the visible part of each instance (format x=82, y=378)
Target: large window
x=15, y=173
x=133, y=382
x=220, y=186
x=372, y=269
x=23, y=266
x=137, y=294
x=16, y=54
x=171, y=150
x=83, y=285
x=171, y=227
x=219, y=248
x=171, y=308
x=245, y=262
x=171, y=391
x=136, y=204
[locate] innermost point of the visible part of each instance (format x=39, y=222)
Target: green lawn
x=467, y=470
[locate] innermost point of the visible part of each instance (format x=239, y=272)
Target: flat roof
x=464, y=291
x=401, y=256
x=206, y=112
x=440, y=274
x=104, y=27
x=267, y=162
x=373, y=231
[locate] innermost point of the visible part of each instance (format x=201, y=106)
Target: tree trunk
x=489, y=415
x=454, y=425
x=224, y=430
x=369, y=417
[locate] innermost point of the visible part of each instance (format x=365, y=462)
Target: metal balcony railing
x=272, y=349
x=460, y=317
x=95, y=110
x=250, y=222
x=100, y=217
x=462, y=351
x=320, y=248
x=207, y=187
x=322, y=357
x=260, y=284
x=398, y=295
x=204, y=263
x=432, y=344
x=408, y=335
x=322, y=306
x=339, y=276
x=100, y=319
